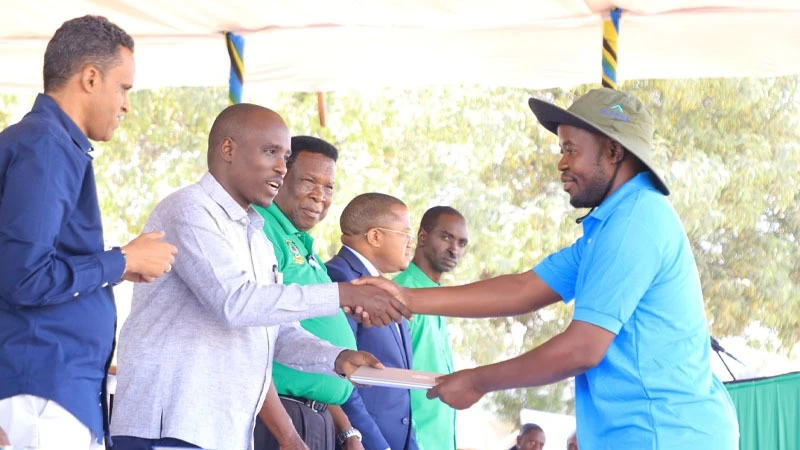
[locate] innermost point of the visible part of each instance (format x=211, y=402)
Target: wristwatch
x=347, y=434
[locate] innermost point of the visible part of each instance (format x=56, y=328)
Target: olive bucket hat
x=616, y=114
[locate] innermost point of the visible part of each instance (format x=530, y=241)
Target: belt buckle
x=317, y=406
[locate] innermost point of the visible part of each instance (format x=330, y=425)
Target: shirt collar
x=370, y=268
x=642, y=181
x=228, y=204
x=46, y=105
x=288, y=227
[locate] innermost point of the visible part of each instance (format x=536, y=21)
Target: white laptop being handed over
x=393, y=377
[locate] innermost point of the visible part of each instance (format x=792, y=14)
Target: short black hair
x=84, y=40
x=528, y=427
x=313, y=145
x=366, y=211
x=431, y=216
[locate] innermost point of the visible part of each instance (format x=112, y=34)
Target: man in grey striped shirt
x=195, y=355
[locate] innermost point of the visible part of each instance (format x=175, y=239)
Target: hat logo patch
x=615, y=112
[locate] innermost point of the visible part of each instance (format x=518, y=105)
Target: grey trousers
x=316, y=428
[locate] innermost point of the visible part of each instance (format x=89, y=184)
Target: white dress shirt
x=375, y=273
x=195, y=355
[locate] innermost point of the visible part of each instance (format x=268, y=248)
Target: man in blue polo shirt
x=638, y=343
x=57, y=312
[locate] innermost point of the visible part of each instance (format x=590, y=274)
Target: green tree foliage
x=160, y=146
x=6, y=102
x=728, y=149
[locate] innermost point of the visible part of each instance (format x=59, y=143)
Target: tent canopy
x=320, y=45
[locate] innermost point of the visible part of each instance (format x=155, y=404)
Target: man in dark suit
x=377, y=236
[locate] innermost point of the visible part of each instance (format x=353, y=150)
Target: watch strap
x=347, y=434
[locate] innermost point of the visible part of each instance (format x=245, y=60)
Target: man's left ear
x=617, y=152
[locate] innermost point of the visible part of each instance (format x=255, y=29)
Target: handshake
x=374, y=301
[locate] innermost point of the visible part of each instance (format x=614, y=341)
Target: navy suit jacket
x=383, y=415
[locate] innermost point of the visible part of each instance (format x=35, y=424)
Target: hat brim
x=551, y=116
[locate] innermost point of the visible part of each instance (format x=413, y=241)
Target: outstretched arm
x=579, y=348
x=506, y=295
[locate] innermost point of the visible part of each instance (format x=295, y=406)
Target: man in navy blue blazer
x=376, y=233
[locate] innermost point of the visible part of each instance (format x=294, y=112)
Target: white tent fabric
x=320, y=45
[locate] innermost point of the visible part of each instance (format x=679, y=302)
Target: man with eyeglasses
x=376, y=233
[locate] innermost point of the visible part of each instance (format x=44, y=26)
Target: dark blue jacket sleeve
x=354, y=407
x=356, y=411
x=41, y=189
x=335, y=272
x=371, y=436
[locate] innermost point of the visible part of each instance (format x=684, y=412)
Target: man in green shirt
x=311, y=400
x=441, y=241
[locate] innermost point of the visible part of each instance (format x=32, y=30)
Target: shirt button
x=76, y=294
x=405, y=420
x=104, y=284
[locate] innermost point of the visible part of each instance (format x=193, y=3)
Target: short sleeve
x=560, y=270
x=621, y=263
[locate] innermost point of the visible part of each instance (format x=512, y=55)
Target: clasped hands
x=374, y=301
x=390, y=303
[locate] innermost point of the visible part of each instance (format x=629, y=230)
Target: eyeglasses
x=408, y=235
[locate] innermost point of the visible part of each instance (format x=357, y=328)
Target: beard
x=439, y=266
x=594, y=192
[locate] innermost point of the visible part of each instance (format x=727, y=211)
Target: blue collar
x=642, y=181
x=46, y=106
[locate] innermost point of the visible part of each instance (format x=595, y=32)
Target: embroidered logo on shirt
x=298, y=258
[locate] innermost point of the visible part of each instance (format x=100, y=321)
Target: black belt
x=311, y=404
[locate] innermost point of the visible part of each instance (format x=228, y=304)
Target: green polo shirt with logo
x=300, y=265
x=434, y=421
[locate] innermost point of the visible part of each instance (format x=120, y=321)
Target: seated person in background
x=572, y=442
x=195, y=354
x=376, y=233
x=441, y=241
x=531, y=437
